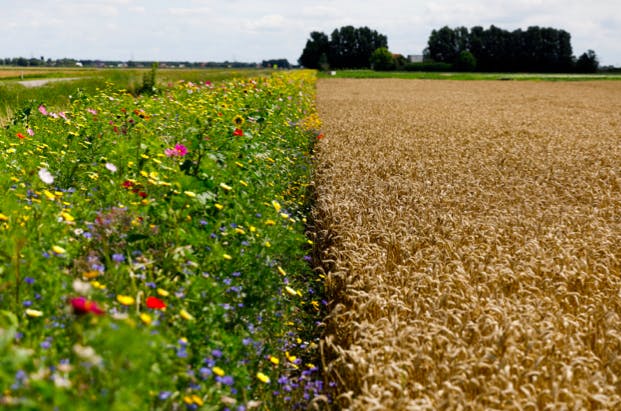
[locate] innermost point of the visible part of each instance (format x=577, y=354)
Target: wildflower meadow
x=153, y=250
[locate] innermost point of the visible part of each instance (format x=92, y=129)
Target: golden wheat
x=472, y=243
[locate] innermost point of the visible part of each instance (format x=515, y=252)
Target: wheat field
x=471, y=241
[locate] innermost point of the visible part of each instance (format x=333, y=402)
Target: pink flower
x=30, y=132
x=92, y=111
x=63, y=115
x=178, y=151
x=43, y=110
x=83, y=306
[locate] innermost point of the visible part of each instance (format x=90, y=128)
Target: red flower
x=238, y=132
x=320, y=136
x=127, y=184
x=21, y=136
x=83, y=306
x=142, y=194
x=155, y=303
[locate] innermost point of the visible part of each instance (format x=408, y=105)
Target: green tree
x=587, y=62
x=465, y=61
x=315, y=46
x=382, y=60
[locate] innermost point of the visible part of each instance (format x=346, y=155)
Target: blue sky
x=244, y=30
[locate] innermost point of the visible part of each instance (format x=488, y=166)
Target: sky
x=256, y=30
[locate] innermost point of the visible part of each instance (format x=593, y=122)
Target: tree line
x=536, y=49
x=347, y=47
x=70, y=62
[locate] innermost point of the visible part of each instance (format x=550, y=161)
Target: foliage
x=465, y=61
x=534, y=50
x=276, y=63
x=149, y=81
x=587, y=62
x=153, y=251
x=347, y=47
x=382, y=60
x=316, y=47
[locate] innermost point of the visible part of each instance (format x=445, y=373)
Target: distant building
x=415, y=58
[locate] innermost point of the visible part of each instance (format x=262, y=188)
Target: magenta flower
x=178, y=151
x=43, y=110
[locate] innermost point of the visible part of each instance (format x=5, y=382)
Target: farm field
x=472, y=235
x=57, y=95
x=153, y=249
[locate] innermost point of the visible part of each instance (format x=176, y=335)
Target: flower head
x=83, y=306
x=238, y=132
x=125, y=299
x=155, y=303
x=178, y=151
x=43, y=110
x=46, y=176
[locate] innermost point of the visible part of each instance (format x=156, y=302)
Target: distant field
x=466, y=76
x=13, y=96
x=473, y=234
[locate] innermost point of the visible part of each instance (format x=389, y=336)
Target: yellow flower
x=190, y=194
x=270, y=222
x=276, y=205
x=290, y=358
x=290, y=290
x=3, y=217
x=274, y=360
x=242, y=182
x=227, y=257
x=185, y=315
x=146, y=318
x=49, y=195
x=58, y=250
x=219, y=206
x=162, y=292
x=281, y=271
x=197, y=400
x=226, y=187
x=125, y=299
x=218, y=371
x=33, y=313
x=263, y=378
x=67, y=217
x=238, y=120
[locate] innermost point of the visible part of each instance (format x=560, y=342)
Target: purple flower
x=216, y=353
x=164, y=395
x=118, y=258
x=29, y=280
x=226, y=380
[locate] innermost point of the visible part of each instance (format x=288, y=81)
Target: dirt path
x=42, y=82
x=474, y=233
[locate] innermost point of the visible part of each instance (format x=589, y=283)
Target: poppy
x=83, y=306
x=155, y=303
x=21, y=136
x=238, y=132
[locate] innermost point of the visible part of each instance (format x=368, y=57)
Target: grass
x=472, y=243
x=14, y=96
x=153, y=250
x=368, y=74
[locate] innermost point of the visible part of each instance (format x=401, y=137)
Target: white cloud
x=220, y=30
